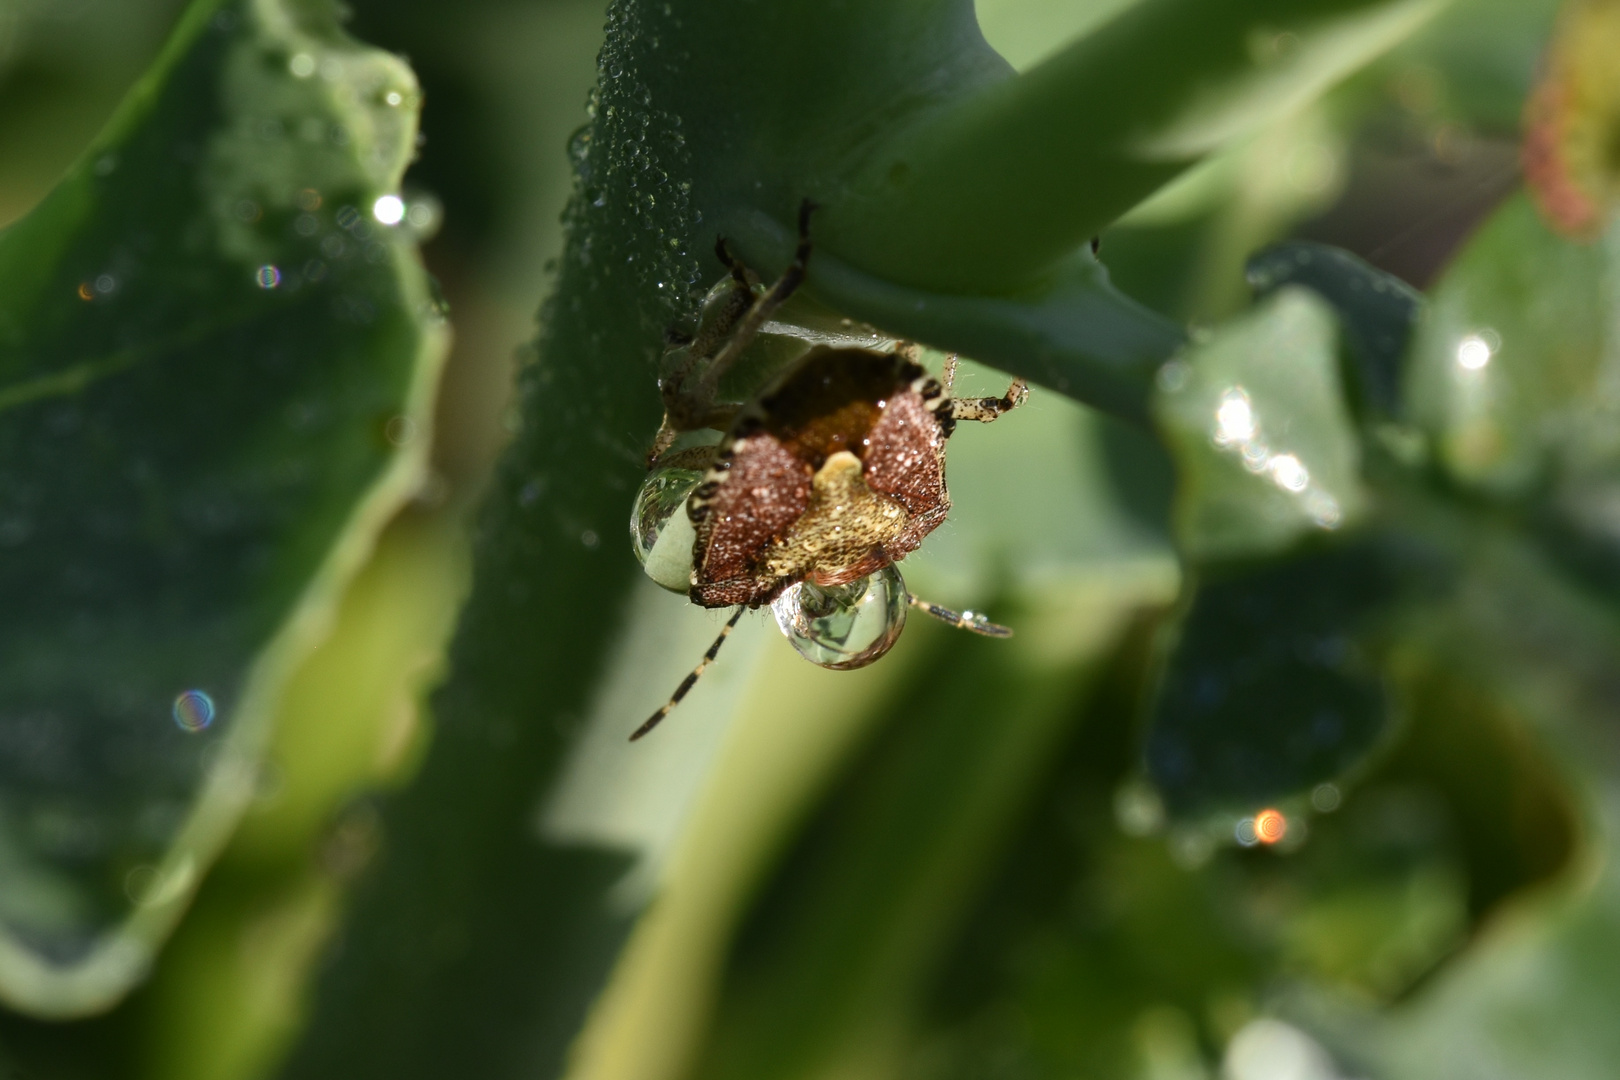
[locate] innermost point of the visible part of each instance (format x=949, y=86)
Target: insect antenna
x=687, y=683
x=974, y=621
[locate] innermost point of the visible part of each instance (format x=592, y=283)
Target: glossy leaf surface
x=1264, y=446
x=1377, y=311
x=217, y=369
x=1512, y=373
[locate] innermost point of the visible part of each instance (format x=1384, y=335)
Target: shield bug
x=820, y=483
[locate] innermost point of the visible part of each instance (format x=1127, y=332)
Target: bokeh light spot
x=1473, y=352
x=389, y=209
x=1270, y=826
x=193, y=710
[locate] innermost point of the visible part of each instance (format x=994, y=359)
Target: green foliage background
x=422, y=847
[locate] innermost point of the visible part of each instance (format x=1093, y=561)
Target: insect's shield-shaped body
x=835, y=471
x=820, y=481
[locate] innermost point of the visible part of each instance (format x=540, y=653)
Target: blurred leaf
x=227, y=992
x=1511, y=373
x=63, y=69
x=1101, y=945
x=825, y=974
x=1268, y=686
x=1265, y=450
x=1377, y=311
x=203, y=402
x=1534, y=993
x=1473, y=65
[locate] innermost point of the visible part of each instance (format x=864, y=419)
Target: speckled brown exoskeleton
x=835, y=470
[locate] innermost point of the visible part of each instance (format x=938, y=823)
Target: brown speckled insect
x=833, y=472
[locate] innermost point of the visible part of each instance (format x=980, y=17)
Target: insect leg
x=764, y=307
x=987, y=409
x=740, y=272
x=667, y=434
x=687, y=683
x=738, y=300
x=966, y=620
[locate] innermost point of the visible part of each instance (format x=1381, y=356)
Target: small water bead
x=844, y=626
x=660, y=531
x=193, y=710
x=268, y=277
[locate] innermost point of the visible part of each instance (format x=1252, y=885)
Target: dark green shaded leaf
x=1377, y=311
x=1268, y=687
x=210, y=353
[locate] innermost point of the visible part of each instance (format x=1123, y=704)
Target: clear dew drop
x=662, y=537
x=844, y=626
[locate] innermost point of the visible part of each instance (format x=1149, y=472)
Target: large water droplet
x=844, y=626
x=660, y=531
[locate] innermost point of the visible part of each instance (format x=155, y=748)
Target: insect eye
x=844, y=626
x=661, y=536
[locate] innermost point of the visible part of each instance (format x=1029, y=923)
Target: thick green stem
x=995, y=189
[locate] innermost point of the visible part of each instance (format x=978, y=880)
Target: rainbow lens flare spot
x=193, y=710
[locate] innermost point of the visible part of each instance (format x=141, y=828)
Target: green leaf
x=1269, y=684
x=832, y=960
x=1073, y=333
x=1378, y=312
x=1519, y=646
x=1022, y=175
x=1510, y=373
x=1265, y=451
x=209, y=350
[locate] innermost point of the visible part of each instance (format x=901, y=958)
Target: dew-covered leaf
x=218, y=357
x=1265, y=450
